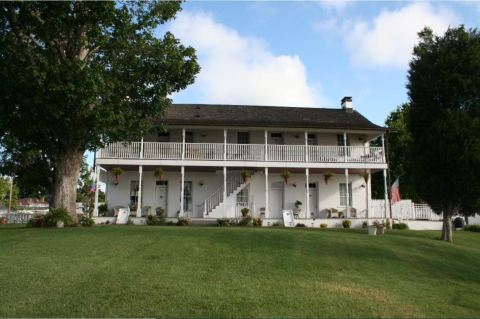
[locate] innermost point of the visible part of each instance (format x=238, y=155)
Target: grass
x=151, y=271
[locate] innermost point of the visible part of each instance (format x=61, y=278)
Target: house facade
x=213, y=160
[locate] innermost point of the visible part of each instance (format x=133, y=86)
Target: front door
x=188, y=198
x=275, y=202
x=312, y=199
x=161, y=195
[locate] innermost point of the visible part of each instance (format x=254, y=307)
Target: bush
x=277, y=224
x=37, y=221
x=458, y=222
x=225, y=222
x=245, y=211
x=300, y=225
x=152, y=220
x=183, y=221
x=474, y=228
x=161, y=215
x=323, y=226
x=400, y=226
x=86, y=221
x=130, y=221
x=245, y=221
x=102, y=210
x=364, y=224
x=257, y=222
x=346, y=224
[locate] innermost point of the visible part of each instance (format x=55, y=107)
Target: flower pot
x=60, y=224
x=3, y=221
x=372, y=230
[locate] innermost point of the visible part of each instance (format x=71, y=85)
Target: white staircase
x=214, y=204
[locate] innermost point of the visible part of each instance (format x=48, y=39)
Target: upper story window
x=340, y=141
x=243, y=138
x=276, y=138
x=312, y=139
x=164, y=137
x=189, y=137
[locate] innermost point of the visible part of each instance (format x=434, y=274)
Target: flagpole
x=10, y=196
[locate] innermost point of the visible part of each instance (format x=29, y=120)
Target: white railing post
x=225, y=144
x=345, y=146
x=141, y=148
x=266, y=145
x=97, y=177
x=347, y=204
x=383, y=149
x=224, y=191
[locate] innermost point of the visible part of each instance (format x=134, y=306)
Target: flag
x=395, y=192
x=92, y=181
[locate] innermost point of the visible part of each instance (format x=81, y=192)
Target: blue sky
x=309, y=53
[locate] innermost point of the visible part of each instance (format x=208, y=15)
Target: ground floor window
x=187, y=196
x=134, y=195
x=343, y=194
x=242, y=196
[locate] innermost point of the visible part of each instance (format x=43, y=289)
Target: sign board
x=122, y=217
x=288, y=218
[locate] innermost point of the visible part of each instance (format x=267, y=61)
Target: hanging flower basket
x=286, y=176
x=327, y=176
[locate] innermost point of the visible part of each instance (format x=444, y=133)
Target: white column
x=182, y=190
x=385, y=187
x=224, y=191
x=345, y=147
x=97, y=177
x=266, y=145
x=141, y=148
x=383, y=149
x=266, y=192
x=183, y=143
x=307, y=195
x=369, y=193
x=306, y=146
x=139, y=198
x=347, y=208
x=224, y=144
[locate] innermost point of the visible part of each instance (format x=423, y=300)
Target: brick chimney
x=347, y=104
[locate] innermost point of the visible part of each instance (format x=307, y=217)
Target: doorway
x=161, y=195
x=312, y=199
x=275, y=202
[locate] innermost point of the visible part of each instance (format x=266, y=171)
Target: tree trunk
x=66, y=179
x=447, y=234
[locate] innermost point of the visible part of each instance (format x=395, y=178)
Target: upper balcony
x=242, y=152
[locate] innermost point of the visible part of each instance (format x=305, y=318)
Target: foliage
x=377, y=224
x=102, y=209
x=459, y=222
x=37, y=221
x=300, y=225
x=327, y=176
x=277, y=224
x=152, y=220
x=117, y=172
x=297, y=203
x=286, y=175
x=364, y=224
x=245, y=211
x=56, y=215
x=130, y=221
x=183, y=221
x=245, y=221
x=400, y=226
x=76, y=75
x=5, y=192
x=257, y=222
x=323, y=226
x=246, y=175
x=159, y=173
x=86, y=221
x=225, y=222
x=474, y=228
x=346, y=224
x=444, y=120
x=161, y=215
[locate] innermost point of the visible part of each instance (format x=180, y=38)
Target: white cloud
x=237, y=69
x=389, y=39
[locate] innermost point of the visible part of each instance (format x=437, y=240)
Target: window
x=312, y=139
x=340, y=140
x=189, y=137
x=243, y=138
x=164, y=137
x=161, y=183
x=276, y=138
x=187, y=197
x=242, y=196
x=343, y=194
x=133, y=194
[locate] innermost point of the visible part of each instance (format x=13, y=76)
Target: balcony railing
x=243, y=152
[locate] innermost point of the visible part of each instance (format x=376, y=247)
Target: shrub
x=225, y=222
x=277, y=224
x=300, y=225
x=459, y=222
x=151, y=220
x=245, y=211
x=107, y=222
x=170, y=223
x=346, y=224
x=474, y=228
x=364, y=224
x=245, y=221
x=323, y=226
x=161, y=215
x=400, y=226
x=37, y=221
x=130, y=221
x=56, y=215
x=257, y=222
x=86, y=221
x=183, y=221
x=102, y=210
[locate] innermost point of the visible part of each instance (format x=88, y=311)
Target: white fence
x=404, y=209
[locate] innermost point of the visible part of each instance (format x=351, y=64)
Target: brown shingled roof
x=266, y=116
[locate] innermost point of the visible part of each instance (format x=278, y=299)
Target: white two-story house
x=214, y=160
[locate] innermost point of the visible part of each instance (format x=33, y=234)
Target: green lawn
x=148, y=271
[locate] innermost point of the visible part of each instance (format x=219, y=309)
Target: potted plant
x=245, y=212
x=3, y=220
x=372, y=230
x=298, y=204
x=286, y=176
x=246, y=176
x=380, y=227
x=159, y=173
x=327, y=176
x=117, y=172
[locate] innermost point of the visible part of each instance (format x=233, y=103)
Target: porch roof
x=267, y=116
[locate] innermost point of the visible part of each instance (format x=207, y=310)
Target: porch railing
x=244, y=152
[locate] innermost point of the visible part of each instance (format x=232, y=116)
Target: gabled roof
x=266, y=116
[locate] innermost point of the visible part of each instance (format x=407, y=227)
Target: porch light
x=200, y=183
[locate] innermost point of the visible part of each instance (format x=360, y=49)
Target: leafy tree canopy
x=444, y=121
x=76, y=75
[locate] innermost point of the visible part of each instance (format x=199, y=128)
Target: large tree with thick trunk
x=76, y=75
x=444, y=122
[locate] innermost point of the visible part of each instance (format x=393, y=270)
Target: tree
x=399, y=143
x=77, y=75
x=444, y=121
x=5, y=192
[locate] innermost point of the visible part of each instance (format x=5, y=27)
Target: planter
x=372, y=230
x=60, y=224
x=381, y=230
x=3, y=221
